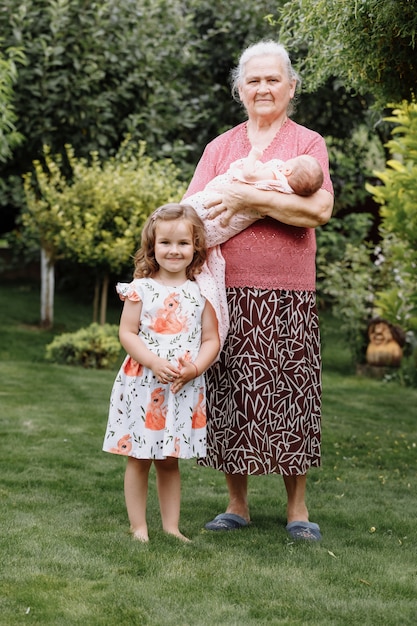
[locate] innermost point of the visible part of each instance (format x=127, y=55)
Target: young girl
x=169, y=330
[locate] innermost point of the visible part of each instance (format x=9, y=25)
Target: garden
x=68, y=557
x=106, y=108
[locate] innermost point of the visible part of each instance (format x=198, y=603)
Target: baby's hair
x=145, y=262
x=307, y=176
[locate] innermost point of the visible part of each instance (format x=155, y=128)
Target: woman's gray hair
x=263, y=48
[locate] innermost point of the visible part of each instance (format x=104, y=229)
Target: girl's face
x=174, y=247
x=266, y=89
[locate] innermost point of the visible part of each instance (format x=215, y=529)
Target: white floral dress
x=146, y=420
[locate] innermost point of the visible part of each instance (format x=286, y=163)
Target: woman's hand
x=231, y=201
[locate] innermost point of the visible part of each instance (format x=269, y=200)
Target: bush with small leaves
x=94, y=347
x=397, y=195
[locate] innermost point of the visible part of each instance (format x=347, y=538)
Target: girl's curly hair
x=145, y=262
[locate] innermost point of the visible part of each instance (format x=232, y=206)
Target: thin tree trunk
x=104, y=295
x=47, y=289
x=96, y=299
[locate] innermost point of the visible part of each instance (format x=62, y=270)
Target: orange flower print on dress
x=161, y=424
x=124, y=445
x=156, y=413
x=132, y=367
x=199, y=414
x=167, y=320
x=176, y=451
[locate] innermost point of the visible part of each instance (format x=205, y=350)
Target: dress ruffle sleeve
x=128, y=291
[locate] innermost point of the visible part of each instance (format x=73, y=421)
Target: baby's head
x=304, y=174
x=145, y=261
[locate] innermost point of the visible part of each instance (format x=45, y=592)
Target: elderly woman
x=264, y=394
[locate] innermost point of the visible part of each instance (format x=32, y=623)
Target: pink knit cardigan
x=267, y=254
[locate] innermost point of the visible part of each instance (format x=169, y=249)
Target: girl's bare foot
x=179, y=535
x=140, y=535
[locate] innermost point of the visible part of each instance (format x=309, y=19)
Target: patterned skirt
x=264, y=395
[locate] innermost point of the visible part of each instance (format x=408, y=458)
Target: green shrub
x=346, y=284
x=94, y=347
x=359, y=281
x=352, y=162
x=397, y=195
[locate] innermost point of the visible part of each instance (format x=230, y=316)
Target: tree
x=367, y=44
x=90, y=66
x=95, y=217
x=156, y=69
x=9, y=135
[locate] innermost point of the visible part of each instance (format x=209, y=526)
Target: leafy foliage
x=352, y=162
x=345, y=275
x=360, y=281
x=395, y=294
x=397, y=196
x=156, y=69
x=9, y=135
x=368, y=44
x=219, y=32
x=95, y=216
x=96, y=346
x=89, y=65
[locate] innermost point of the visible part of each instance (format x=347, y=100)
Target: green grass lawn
x=67, y=557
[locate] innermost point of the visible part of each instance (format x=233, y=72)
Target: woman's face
x=266, y=89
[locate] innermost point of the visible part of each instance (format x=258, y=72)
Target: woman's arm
x=306, y=212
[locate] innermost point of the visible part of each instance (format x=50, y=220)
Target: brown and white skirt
x=264, y=395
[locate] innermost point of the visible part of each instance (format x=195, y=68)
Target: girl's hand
x=187, y=372
x=164, y=371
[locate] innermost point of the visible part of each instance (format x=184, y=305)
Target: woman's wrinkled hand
x=230, y=202
x=220, y=209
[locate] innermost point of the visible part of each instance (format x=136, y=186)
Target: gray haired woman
x=264, y=394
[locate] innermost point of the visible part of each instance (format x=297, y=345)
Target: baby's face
x=289, y=165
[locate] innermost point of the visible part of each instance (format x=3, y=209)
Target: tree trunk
x=96, y=299
x=104, y=295
x=47, y=289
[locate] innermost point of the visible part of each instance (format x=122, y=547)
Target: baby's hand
x=256, y=153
